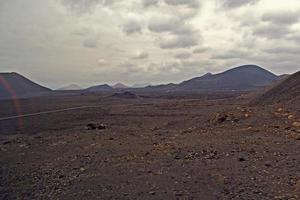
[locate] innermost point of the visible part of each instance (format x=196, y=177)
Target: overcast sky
x=87, y=42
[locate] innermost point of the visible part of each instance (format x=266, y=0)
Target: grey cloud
x=148, y=3
x=164, y=67
x=190, y=3
x=200, y=50
x=132, y=27
x=185, y=35
x=184, y=30
x=284, y=50
x=179, y=42
x=196, y=63
x=90, y=43
x=294, y=38
x=110, y=2
x=180, y=70
x=185, y=9
x=102, y=62
x=271, y=31
x=126, y=66
x=232, y=54
x=129, y=69
x=164, y=25
x=140, y=55
x=183, y=55
x=281, y=18
x=82, y=31
x=264, y=56
x=85, y=6
x=172, y=25
x=81, y=6
x=237, y=3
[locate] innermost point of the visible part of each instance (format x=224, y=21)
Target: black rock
x=242, y=159
x=93, y=126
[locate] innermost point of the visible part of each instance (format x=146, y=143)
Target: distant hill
x=119, y=86
x=141, y=85
x=16, y=84
x=243, y=78
x=164, y=87
x=71, y=87
x=283, y=92
x=125, y=95
x=100, y=88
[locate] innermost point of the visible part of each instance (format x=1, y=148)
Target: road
x=46, y=112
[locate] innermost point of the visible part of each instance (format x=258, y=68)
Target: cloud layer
x=134, y=41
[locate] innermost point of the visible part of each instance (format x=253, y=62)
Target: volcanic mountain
x=100, y=88
x=141, y=85
x=243, y=78
x=71, y=87
x=14, y=85
x=119, y=86
x=286, y=91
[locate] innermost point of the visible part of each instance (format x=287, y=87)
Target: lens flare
x=14, y=98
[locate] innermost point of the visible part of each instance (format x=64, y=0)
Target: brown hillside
x=286, y=91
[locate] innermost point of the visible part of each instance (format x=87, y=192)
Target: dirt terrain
x=150, y=148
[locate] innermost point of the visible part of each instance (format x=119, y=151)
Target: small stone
x=291, y=117
x=91, y=126
x=61, y=176
x=6, y=142
x=152, y=192
x=296, y=130
x=101, y=127
x=279, y=109
x=268, y=164
x=296, y=124
x=242, y=159
x=179, y=194
x=82, y=169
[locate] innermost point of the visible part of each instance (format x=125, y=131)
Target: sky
x=89, y=42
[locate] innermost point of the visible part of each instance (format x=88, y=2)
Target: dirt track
x=46, y=112
x=154, y=149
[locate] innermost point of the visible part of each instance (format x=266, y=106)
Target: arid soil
x=150, y=148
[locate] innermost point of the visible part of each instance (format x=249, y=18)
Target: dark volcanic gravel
x=153, y=149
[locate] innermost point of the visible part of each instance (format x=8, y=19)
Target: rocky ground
x=148, y=148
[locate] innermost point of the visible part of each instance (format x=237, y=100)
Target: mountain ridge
x=119, y=86
x=71, y=87
x=100, y=88
x=14, y=85
x=242, y=78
